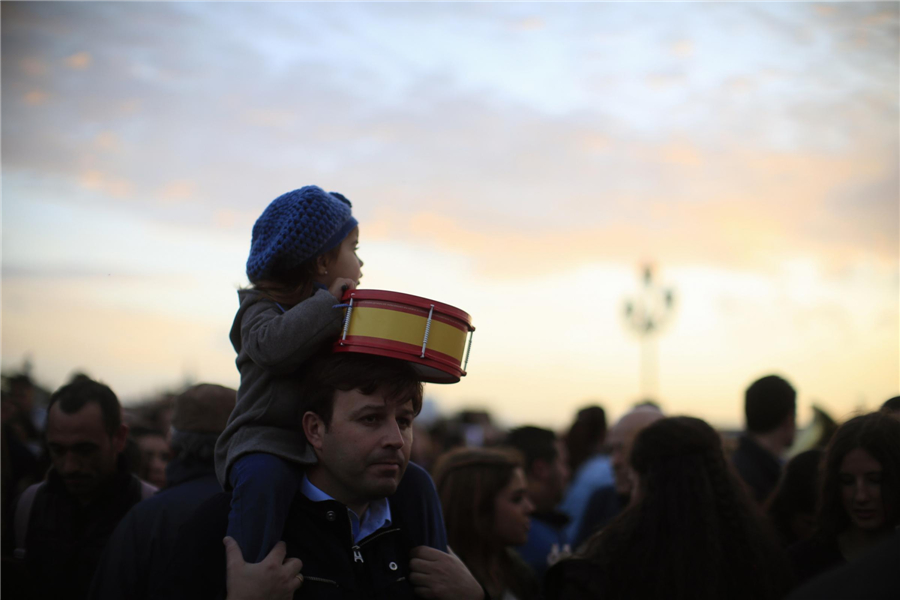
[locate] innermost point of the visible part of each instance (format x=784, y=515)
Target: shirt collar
x=377, y=516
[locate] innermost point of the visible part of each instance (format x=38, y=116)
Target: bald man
x=607, y=502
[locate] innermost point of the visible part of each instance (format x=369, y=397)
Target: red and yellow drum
x=431, y=335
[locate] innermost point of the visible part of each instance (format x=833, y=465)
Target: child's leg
x=264, y=488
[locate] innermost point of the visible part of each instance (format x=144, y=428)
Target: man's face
x=620, y=439
x=82, y=451
x=363, y=453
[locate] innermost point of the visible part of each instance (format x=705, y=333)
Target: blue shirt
x=595, y=473
x=378, y=514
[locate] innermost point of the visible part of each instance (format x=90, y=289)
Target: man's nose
x=393, y=436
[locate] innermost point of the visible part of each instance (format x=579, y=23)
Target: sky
x=521, y=161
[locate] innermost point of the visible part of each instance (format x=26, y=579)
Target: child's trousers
x=264, y=487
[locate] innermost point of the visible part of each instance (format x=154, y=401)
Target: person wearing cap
x=135, y=562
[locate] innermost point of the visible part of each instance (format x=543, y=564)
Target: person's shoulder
x=572, y=578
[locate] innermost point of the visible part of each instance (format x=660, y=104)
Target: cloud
x=115, y=187
x=36, y=97
x=33, y=67
x=683, y=48
x=682, y=154
x=530, y=24
x=79, y=61
x=107, y=141
x=177, y=191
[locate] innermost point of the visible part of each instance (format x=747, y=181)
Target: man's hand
x=273, y=579
x=436, y=574
x=341, y=285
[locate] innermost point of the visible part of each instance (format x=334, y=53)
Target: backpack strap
x=23, y=517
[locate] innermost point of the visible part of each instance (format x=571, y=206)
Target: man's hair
x=534, y=443
x=586, y=435
x=351, y=371
x=768, y=402
x=82, y=389
x=891, y=405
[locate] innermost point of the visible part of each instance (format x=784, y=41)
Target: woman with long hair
x=792, y=506
x=859, y=505
x=691, y=530
x=487, y=512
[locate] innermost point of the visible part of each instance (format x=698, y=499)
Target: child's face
x=348, y=264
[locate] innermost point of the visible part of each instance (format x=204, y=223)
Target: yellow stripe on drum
x=403, y=327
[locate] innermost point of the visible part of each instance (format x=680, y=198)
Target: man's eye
x=405, y=423
x=369, y=419
x=846, y=480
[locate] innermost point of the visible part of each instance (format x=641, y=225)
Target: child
x=302, y=258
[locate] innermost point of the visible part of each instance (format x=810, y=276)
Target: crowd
x=527, y=513
x=320, y=478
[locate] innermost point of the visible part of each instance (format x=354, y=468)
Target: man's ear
x=313, y=429
x=119, y=438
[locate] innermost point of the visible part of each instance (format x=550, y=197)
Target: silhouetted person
x=691, y=531
x=770, y=408
x=63, y=524
x=546, y=473
x=792, y=506
x=860, y=498
x=605, y=502
x=135, y=563
x=487, y=512
x=891, y=407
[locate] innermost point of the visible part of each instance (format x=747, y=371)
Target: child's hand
x=341, y=285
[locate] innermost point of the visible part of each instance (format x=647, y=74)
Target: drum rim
x=417, y=301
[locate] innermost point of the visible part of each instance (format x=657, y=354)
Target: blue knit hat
x=295, y=227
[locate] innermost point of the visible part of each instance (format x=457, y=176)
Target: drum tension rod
x=427, y=330
x=347, y=320
x=469, y=348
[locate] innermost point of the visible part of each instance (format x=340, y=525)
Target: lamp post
x=646, y=314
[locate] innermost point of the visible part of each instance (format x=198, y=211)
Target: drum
x=430, y=335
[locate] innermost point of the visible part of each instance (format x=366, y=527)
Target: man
x=135, y=563
x=351, y=534
x=770, y=407
x=62, y=525
x=546, y=473
x=608, y=501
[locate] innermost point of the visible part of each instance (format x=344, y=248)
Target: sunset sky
x=520, y=161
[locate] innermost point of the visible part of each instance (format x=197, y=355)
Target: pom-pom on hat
x=295, y=227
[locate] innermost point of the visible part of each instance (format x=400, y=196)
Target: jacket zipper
x=320, y=580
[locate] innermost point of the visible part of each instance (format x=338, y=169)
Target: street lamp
x=646, y=315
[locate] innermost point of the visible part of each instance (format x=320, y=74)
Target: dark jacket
x=319, y=533
x=812, y=557
x=135, y=563
x=65, y=540
x=757, y=467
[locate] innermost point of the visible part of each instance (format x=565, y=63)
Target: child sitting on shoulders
x=302, y=259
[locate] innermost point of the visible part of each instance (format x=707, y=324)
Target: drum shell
x=393, y=324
